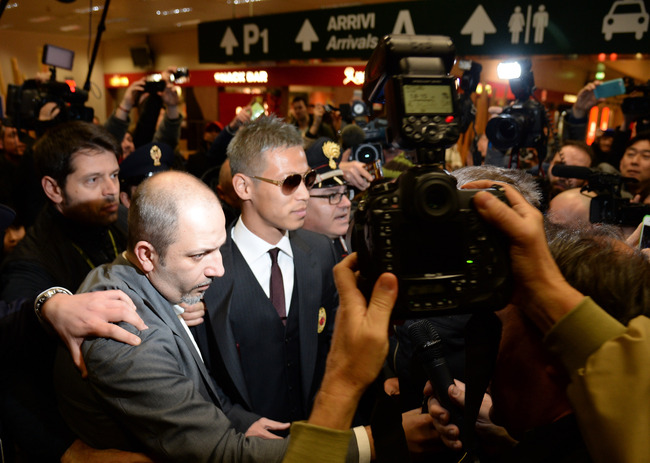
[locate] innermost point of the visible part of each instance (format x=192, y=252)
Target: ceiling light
x=88, y=10
x=191, y=22
x=173, y=12
x=70, y=28
x=40, y=19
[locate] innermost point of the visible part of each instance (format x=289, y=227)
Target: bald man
x=158, y=398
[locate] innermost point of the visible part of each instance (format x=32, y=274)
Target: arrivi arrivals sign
x=477, y=28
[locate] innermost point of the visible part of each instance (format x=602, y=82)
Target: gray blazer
x=156, y=398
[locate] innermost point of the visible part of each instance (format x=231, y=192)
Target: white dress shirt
x=256, y=254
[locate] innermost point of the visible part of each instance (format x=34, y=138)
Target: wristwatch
x=44, y=297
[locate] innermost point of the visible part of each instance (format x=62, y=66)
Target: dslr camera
x=421, y=227
x=154, y=83
x=523, y=124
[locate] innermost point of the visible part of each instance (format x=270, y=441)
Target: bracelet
x=125, y=110
x=44, y=297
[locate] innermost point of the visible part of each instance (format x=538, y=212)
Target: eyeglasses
x=334, y=198
x=292, y=182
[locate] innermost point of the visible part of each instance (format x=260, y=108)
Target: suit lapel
x=219, y=304
x=309, y=292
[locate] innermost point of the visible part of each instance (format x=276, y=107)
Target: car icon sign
x=626, y=16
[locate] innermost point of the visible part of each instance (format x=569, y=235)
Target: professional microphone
x=584, y=173
x=596, y=177
x=352, y=135
x=428, y=345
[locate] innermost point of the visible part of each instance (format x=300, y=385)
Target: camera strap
x=482, y=337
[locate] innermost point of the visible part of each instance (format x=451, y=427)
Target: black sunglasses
x=292, y=182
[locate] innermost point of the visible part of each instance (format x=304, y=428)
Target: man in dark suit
x=273, y=352
x=158, y=397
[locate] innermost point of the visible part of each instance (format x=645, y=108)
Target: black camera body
x=606, y=208
x=25, y=101
x=523, y=124
x=426, y=232
x=421, y=227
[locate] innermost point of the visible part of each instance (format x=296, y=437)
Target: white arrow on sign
x=229, y=41
x=306, y=35
x=478, y=25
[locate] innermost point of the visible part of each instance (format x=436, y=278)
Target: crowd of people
x=154, y=308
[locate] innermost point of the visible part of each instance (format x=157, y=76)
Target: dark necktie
x=277, y=286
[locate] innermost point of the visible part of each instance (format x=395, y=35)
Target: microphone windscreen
x=352, y=135
x=425, y=338
x=562, y=170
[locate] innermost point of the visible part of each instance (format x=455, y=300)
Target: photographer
x=575, y=126
x=311, y=126
x=603, y=359
x=148, y=127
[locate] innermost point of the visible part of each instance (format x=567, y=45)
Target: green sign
x=504, y=27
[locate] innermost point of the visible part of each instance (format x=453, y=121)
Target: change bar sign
x=477, y=28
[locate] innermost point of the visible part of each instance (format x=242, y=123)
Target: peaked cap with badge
x=144, y=162
x=324, y=156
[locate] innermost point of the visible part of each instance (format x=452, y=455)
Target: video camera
x=524, y=123
x=421, y=227
x=609, y=206
x=25, y=101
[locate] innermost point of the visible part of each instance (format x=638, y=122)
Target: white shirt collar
x=252, y=246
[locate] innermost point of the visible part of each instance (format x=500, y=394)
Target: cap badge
x=331, y=151
x=156, y=155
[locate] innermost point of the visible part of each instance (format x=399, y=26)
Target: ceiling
x=80, y=17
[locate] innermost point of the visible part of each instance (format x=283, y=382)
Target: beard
x=190, y=298
x=91, y=212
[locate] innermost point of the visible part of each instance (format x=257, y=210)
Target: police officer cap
x=324, y=156
x=146, y=161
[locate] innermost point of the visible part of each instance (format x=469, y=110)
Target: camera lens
x=367, y=153
x=435, y=198
x=504, y=131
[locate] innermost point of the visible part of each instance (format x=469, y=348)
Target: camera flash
x=508, y=71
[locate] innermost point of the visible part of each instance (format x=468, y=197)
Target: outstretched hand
x=359, y=345
x=541, y=289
